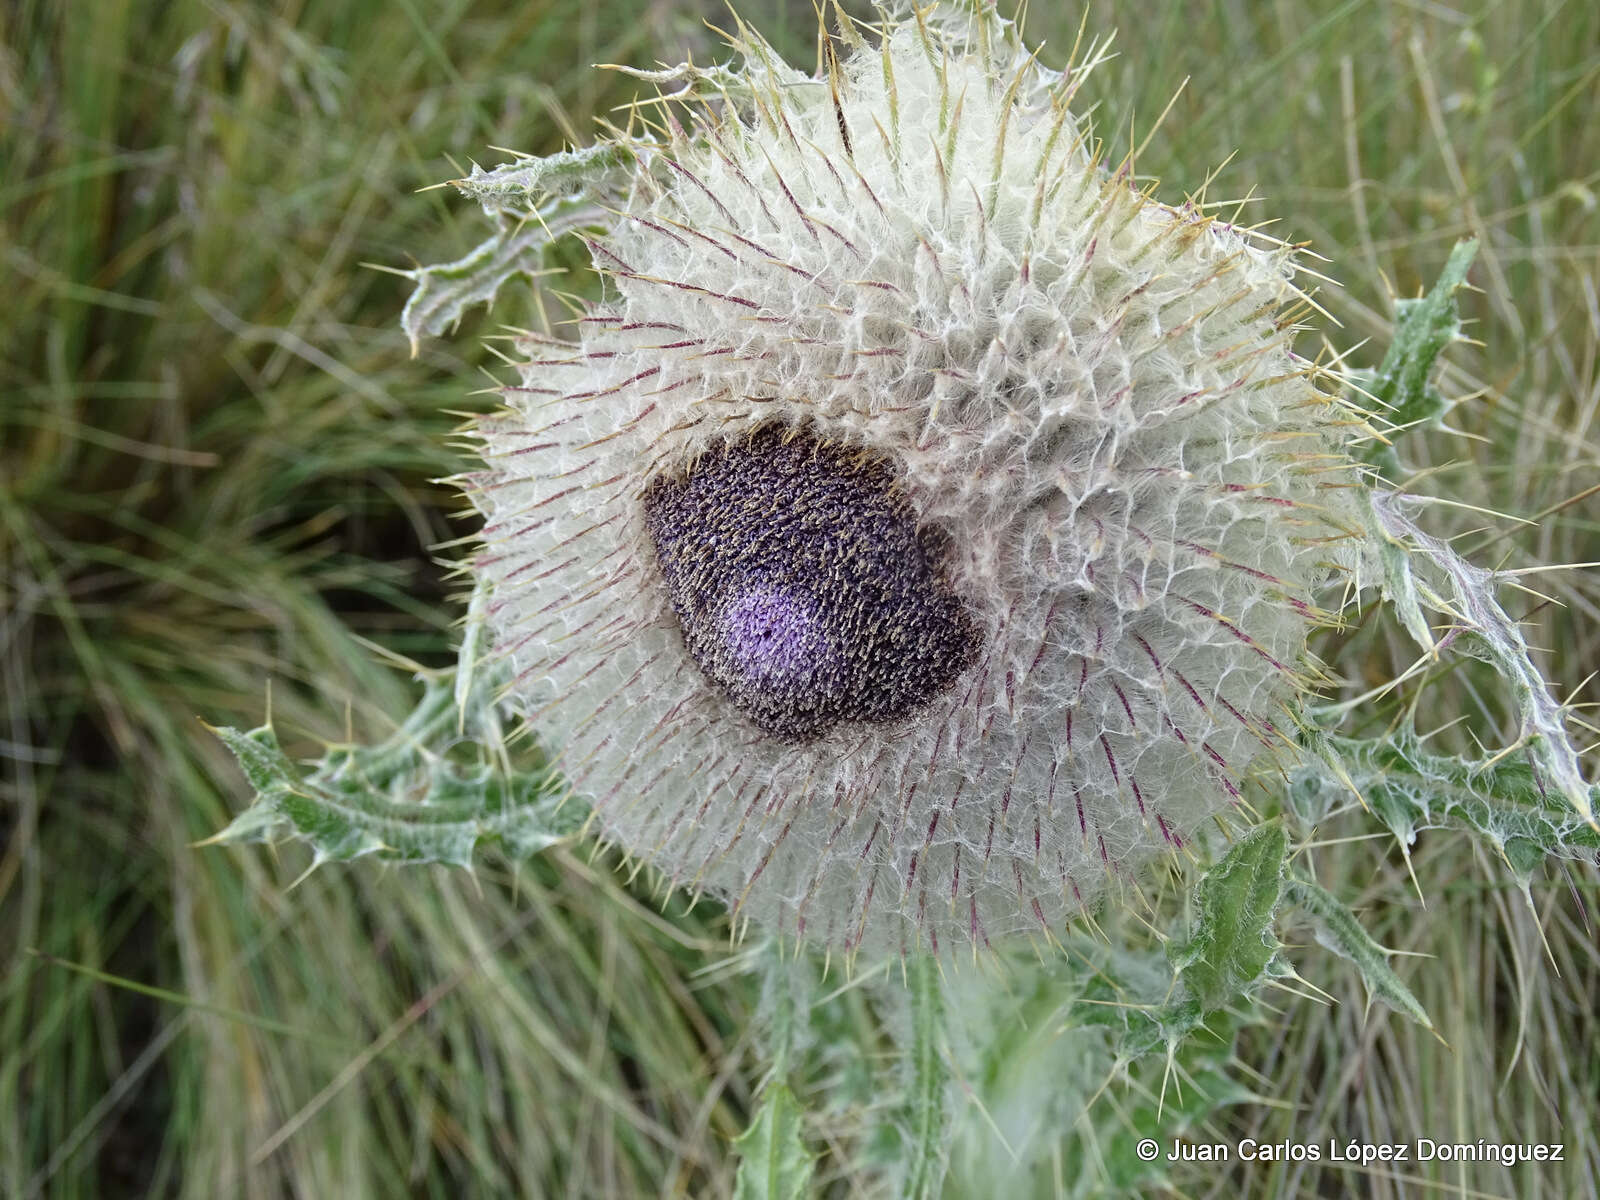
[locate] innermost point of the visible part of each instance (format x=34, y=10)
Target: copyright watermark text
x=1363, y=1153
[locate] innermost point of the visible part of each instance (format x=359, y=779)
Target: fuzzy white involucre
x=1090, y=409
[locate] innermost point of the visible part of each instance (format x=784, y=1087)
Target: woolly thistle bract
x=924, y=530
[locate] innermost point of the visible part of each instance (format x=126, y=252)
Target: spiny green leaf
x=1339, y=931
x=928, y=1111
x=432, y=791
x=534, y=200
x=1422, y=329
x=1206, y=1087
x=526, y=185
x=773, y=1161
x=785, y=987
x=1503, y=798
x=738, y=86
x=260, y=758
x=1420, y=569
x=1232, y=942
x=446, y=290
x=345, y=814
x=1029, y=1045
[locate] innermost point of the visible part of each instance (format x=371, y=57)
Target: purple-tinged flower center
x=803, y=585
x=774, y=634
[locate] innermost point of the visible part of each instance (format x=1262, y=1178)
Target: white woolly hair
x=1090, y=394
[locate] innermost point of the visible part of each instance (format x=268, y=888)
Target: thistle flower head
x=924, y=530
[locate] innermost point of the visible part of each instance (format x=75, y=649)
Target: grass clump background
x=215, y=486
